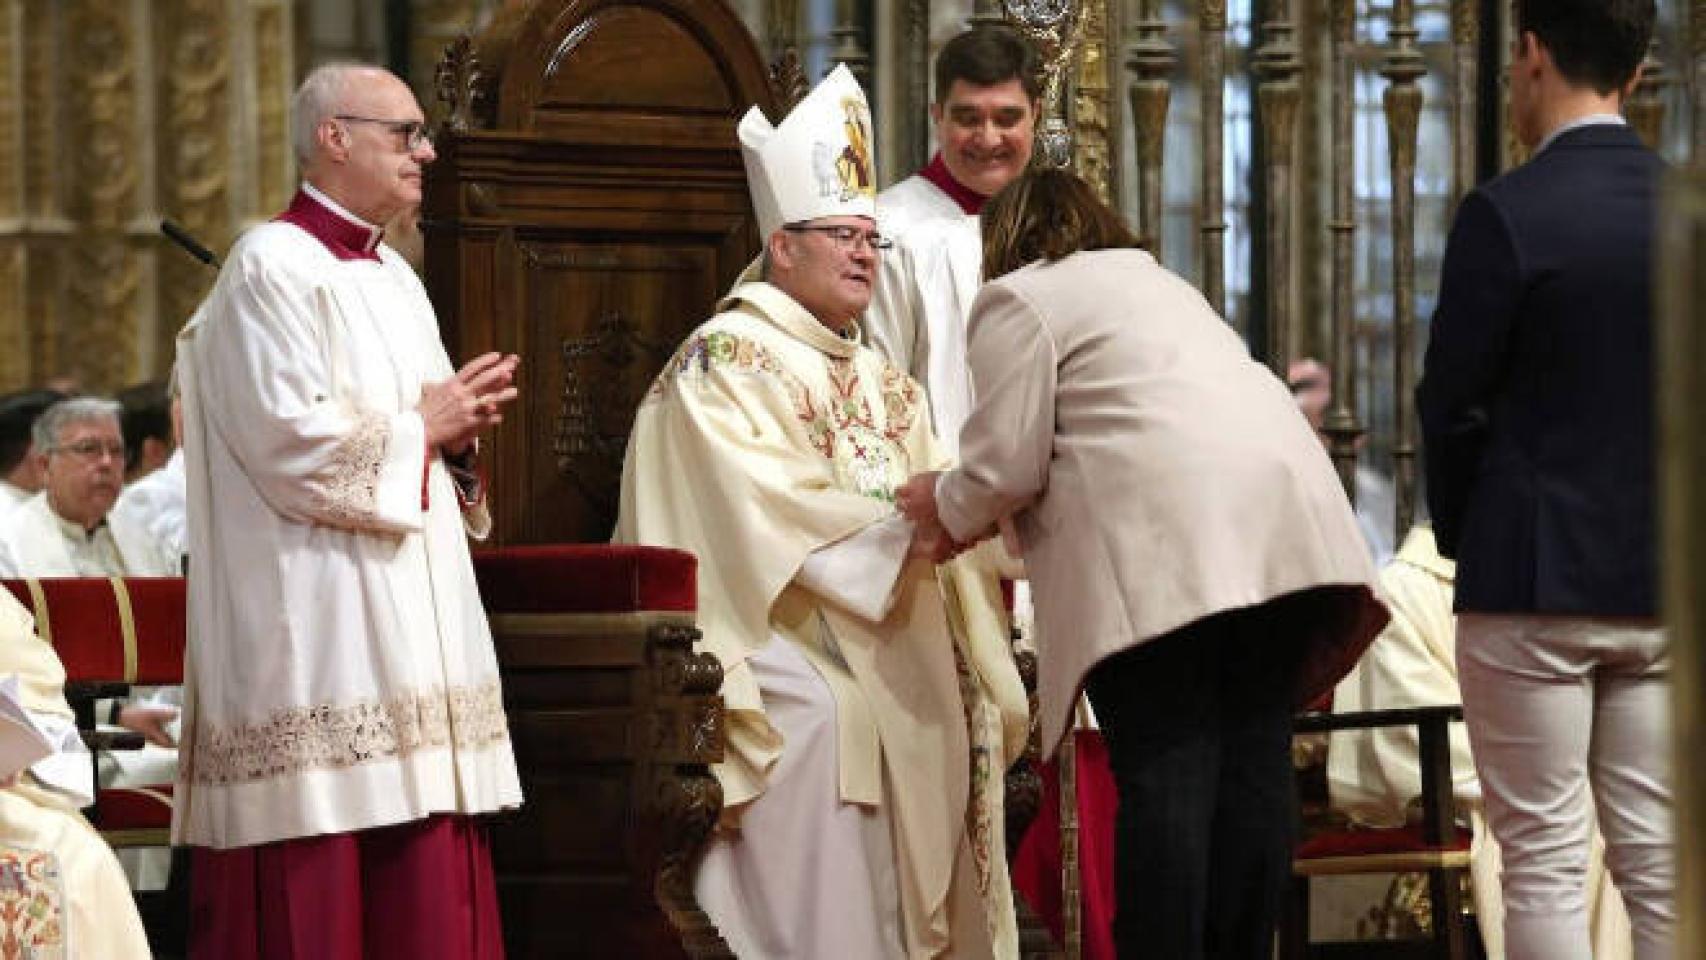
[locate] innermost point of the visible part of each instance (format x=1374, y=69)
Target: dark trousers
x=1198, y=728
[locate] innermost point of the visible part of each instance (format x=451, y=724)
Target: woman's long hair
x=1047, y=214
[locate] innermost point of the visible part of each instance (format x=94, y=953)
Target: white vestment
x=36, y=542
x=1374, y=775
x=340, y=672
x=156, y=502
x=11, y=496
x=861, y=688
x=925, y=287
x=62, y=896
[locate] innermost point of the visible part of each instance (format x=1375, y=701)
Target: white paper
x=22, y=740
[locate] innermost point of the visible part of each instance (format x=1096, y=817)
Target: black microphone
x=182, y=238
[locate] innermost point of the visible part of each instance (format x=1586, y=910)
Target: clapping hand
x=459, y=409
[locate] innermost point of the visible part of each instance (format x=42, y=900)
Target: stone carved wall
x=126, y=111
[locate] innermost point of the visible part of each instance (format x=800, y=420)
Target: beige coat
x=1158, y=473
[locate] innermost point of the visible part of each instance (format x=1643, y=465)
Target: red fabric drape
x=1036, y=865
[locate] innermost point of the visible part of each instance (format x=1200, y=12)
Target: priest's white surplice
x=340, y=672
x=925, y=287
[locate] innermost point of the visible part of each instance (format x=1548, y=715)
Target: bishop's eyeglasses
x=413, y=132
x=847, y=238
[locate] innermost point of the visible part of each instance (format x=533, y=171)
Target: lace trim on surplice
x=334, y=736
x=351, y=491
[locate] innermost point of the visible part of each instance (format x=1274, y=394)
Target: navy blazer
x=1537, y=399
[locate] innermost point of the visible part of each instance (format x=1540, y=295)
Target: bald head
x=356, y=131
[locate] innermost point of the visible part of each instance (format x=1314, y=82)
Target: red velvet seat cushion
x=1370, y=842
x=587, y=578
x=82, y=617
x=134, y=808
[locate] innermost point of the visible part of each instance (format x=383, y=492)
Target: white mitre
x=818, y=162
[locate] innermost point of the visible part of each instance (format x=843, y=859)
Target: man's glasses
x=847, y=238
x=92, y=449
x=413, y=132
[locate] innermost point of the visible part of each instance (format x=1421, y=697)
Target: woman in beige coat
x=1196, y=565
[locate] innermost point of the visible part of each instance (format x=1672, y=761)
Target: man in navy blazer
x=1537, y=420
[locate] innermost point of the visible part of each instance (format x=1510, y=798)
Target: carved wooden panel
x=586, y=212
x=600, y=320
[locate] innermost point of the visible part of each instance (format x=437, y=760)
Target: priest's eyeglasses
x=92, y=449
x=847, y=238
x=413, y=132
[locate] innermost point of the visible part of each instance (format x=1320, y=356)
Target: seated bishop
x=872, y=702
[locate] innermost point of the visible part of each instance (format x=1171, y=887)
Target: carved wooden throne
x=587, y=209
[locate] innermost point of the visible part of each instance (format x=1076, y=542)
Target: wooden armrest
x=98, y=740
x=1368, y=719
x=1433, y=746
x=82, y=694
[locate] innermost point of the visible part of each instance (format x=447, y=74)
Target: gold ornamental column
x=1682, y=386
x=1094, y=120
x=14, y=240
x=110, y=306
x=193, y=51
x=39, y=238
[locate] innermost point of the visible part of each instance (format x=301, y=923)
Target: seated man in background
x=61, y=891
x=1375, y=775
x=70, y=529
x=21, y=473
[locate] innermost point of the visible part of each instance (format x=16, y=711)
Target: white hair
x=44, y=433
x=320, y=98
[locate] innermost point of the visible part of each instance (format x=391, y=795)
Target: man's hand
x=931, y=542
x=150, y=722
x=457, y=410
x=916, y=499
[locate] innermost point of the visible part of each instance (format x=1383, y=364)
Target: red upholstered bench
x=109, y=634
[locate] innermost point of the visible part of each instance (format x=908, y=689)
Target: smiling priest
x=872, y=702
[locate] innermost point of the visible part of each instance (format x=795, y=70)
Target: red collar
x=936, y=171
x=346, y=238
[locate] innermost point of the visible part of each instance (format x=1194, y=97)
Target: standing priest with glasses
x=344, y=721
